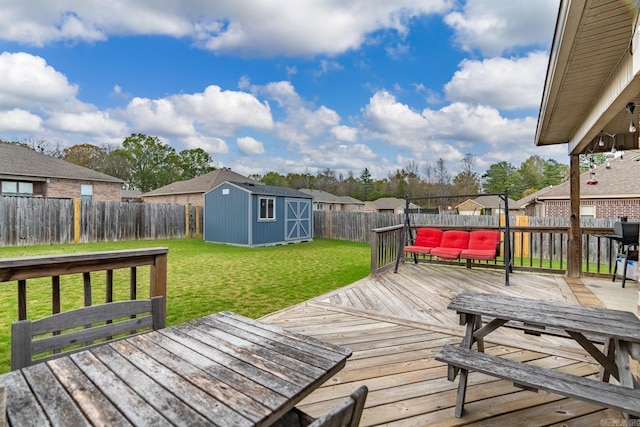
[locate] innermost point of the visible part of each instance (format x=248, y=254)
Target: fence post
x=76, y=220
x=197, y=209
x=186, y=221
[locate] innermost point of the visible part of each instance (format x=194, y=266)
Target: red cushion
x=457, y=239
x=428, y=237
x=446, y=253
x=479, y=254
x=484, y=239
x=417, y=249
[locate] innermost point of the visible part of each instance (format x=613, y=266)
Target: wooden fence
x=35, y=221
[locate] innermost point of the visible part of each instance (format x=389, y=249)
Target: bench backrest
x=455, y=239
x=484, y=239
x=75, y=330
x=428, y=237
x=346, y=414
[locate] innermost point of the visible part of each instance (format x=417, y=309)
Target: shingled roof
x=325, y=197
x=620, y=181
x=19, y=162
x=199, y=184
x=271, y=190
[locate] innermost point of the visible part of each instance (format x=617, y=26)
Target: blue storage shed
x=249, y=214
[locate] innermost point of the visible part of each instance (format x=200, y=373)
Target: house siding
x=194, y=199
x=604, y=208
x=70, y=189
x=227, y=216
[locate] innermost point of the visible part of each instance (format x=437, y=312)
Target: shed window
x=267, y=208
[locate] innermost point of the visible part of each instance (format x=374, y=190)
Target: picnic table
x=222, y=369
x=619, y=331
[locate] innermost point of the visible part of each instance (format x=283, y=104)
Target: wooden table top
x=222, y=369
x=597, y=321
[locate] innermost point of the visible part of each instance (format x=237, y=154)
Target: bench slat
x=601, y=393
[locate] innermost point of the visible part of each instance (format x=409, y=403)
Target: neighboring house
x=131, y=195
x=485, y=205
x=611, y=191
x=25, y=172
x=531, y=205
x=247, y=214
x=191, y=192
x=327, y=202
x=389, y=205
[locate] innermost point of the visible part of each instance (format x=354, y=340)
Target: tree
x=275, y=179
x=467, y=182
x=442, y=177
x=194, y=162
x=498, y=178
x=554, y=173
x=153, y=164
x=366, y=184
x=86, y=155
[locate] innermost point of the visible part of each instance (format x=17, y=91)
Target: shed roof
x=269, y=190
x=199, y=184
x=18, y=162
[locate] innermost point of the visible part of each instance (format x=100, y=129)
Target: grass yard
x=203, y=278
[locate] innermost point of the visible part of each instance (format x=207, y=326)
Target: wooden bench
x=533, y=378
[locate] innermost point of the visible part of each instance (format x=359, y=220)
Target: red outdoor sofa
x=456, y=244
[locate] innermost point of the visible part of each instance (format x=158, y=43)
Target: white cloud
x=210, y=144
x=345, y=133
x=249, y=145
x=26, y=81
x=277, y=27
x=94, y=123
x=505, y=83
x=17, y=120
x=213, y=111
x=495, y=26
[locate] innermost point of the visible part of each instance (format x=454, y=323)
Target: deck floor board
x=396, y=322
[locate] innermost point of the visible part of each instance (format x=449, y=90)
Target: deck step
x=533, y=377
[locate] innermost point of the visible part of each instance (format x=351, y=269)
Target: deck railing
x=54, y=266
x=542, y=249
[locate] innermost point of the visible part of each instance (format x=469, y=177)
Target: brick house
x=191, y=191
x=611, y=191
x=25, y=172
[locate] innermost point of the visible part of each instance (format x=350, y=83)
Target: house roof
x=18, y=162
x=199, y=184
x=493, y=202
x=269, y=190
x=620, y=181
x=387, y=203
x=525, y=201
x=591, y=76
x=325, y=197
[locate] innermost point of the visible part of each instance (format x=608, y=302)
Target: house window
x=86, y=192
x=13, y=188
x=267, y=209
x=588, y=211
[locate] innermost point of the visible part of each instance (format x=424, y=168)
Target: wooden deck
x=395, y=323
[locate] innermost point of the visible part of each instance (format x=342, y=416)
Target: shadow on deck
x=395, y=324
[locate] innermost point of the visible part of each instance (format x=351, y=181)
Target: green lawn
x=202, y=278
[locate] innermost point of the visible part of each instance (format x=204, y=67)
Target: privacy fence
x=35, y=221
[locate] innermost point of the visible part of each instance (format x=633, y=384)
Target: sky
x=286, y=86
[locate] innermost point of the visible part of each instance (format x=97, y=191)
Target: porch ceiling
x=592, y=75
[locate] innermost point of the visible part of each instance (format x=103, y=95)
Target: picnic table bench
x=618, y=330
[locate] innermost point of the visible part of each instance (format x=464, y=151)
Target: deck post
x=574, y=250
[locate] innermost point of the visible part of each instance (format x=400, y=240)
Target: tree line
x=146, y=163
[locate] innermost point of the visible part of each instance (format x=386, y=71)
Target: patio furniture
x=346, y=414
x=619, y=329
x=427, y=238
x=626, y=234
x=221, y=369
x=59, y=334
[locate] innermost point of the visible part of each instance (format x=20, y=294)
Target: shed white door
x=297, y=219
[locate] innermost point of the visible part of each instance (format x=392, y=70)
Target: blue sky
x=283, y=85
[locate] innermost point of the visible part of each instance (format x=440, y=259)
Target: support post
x=574, y=251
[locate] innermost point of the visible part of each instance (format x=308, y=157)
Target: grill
x=626, y=234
